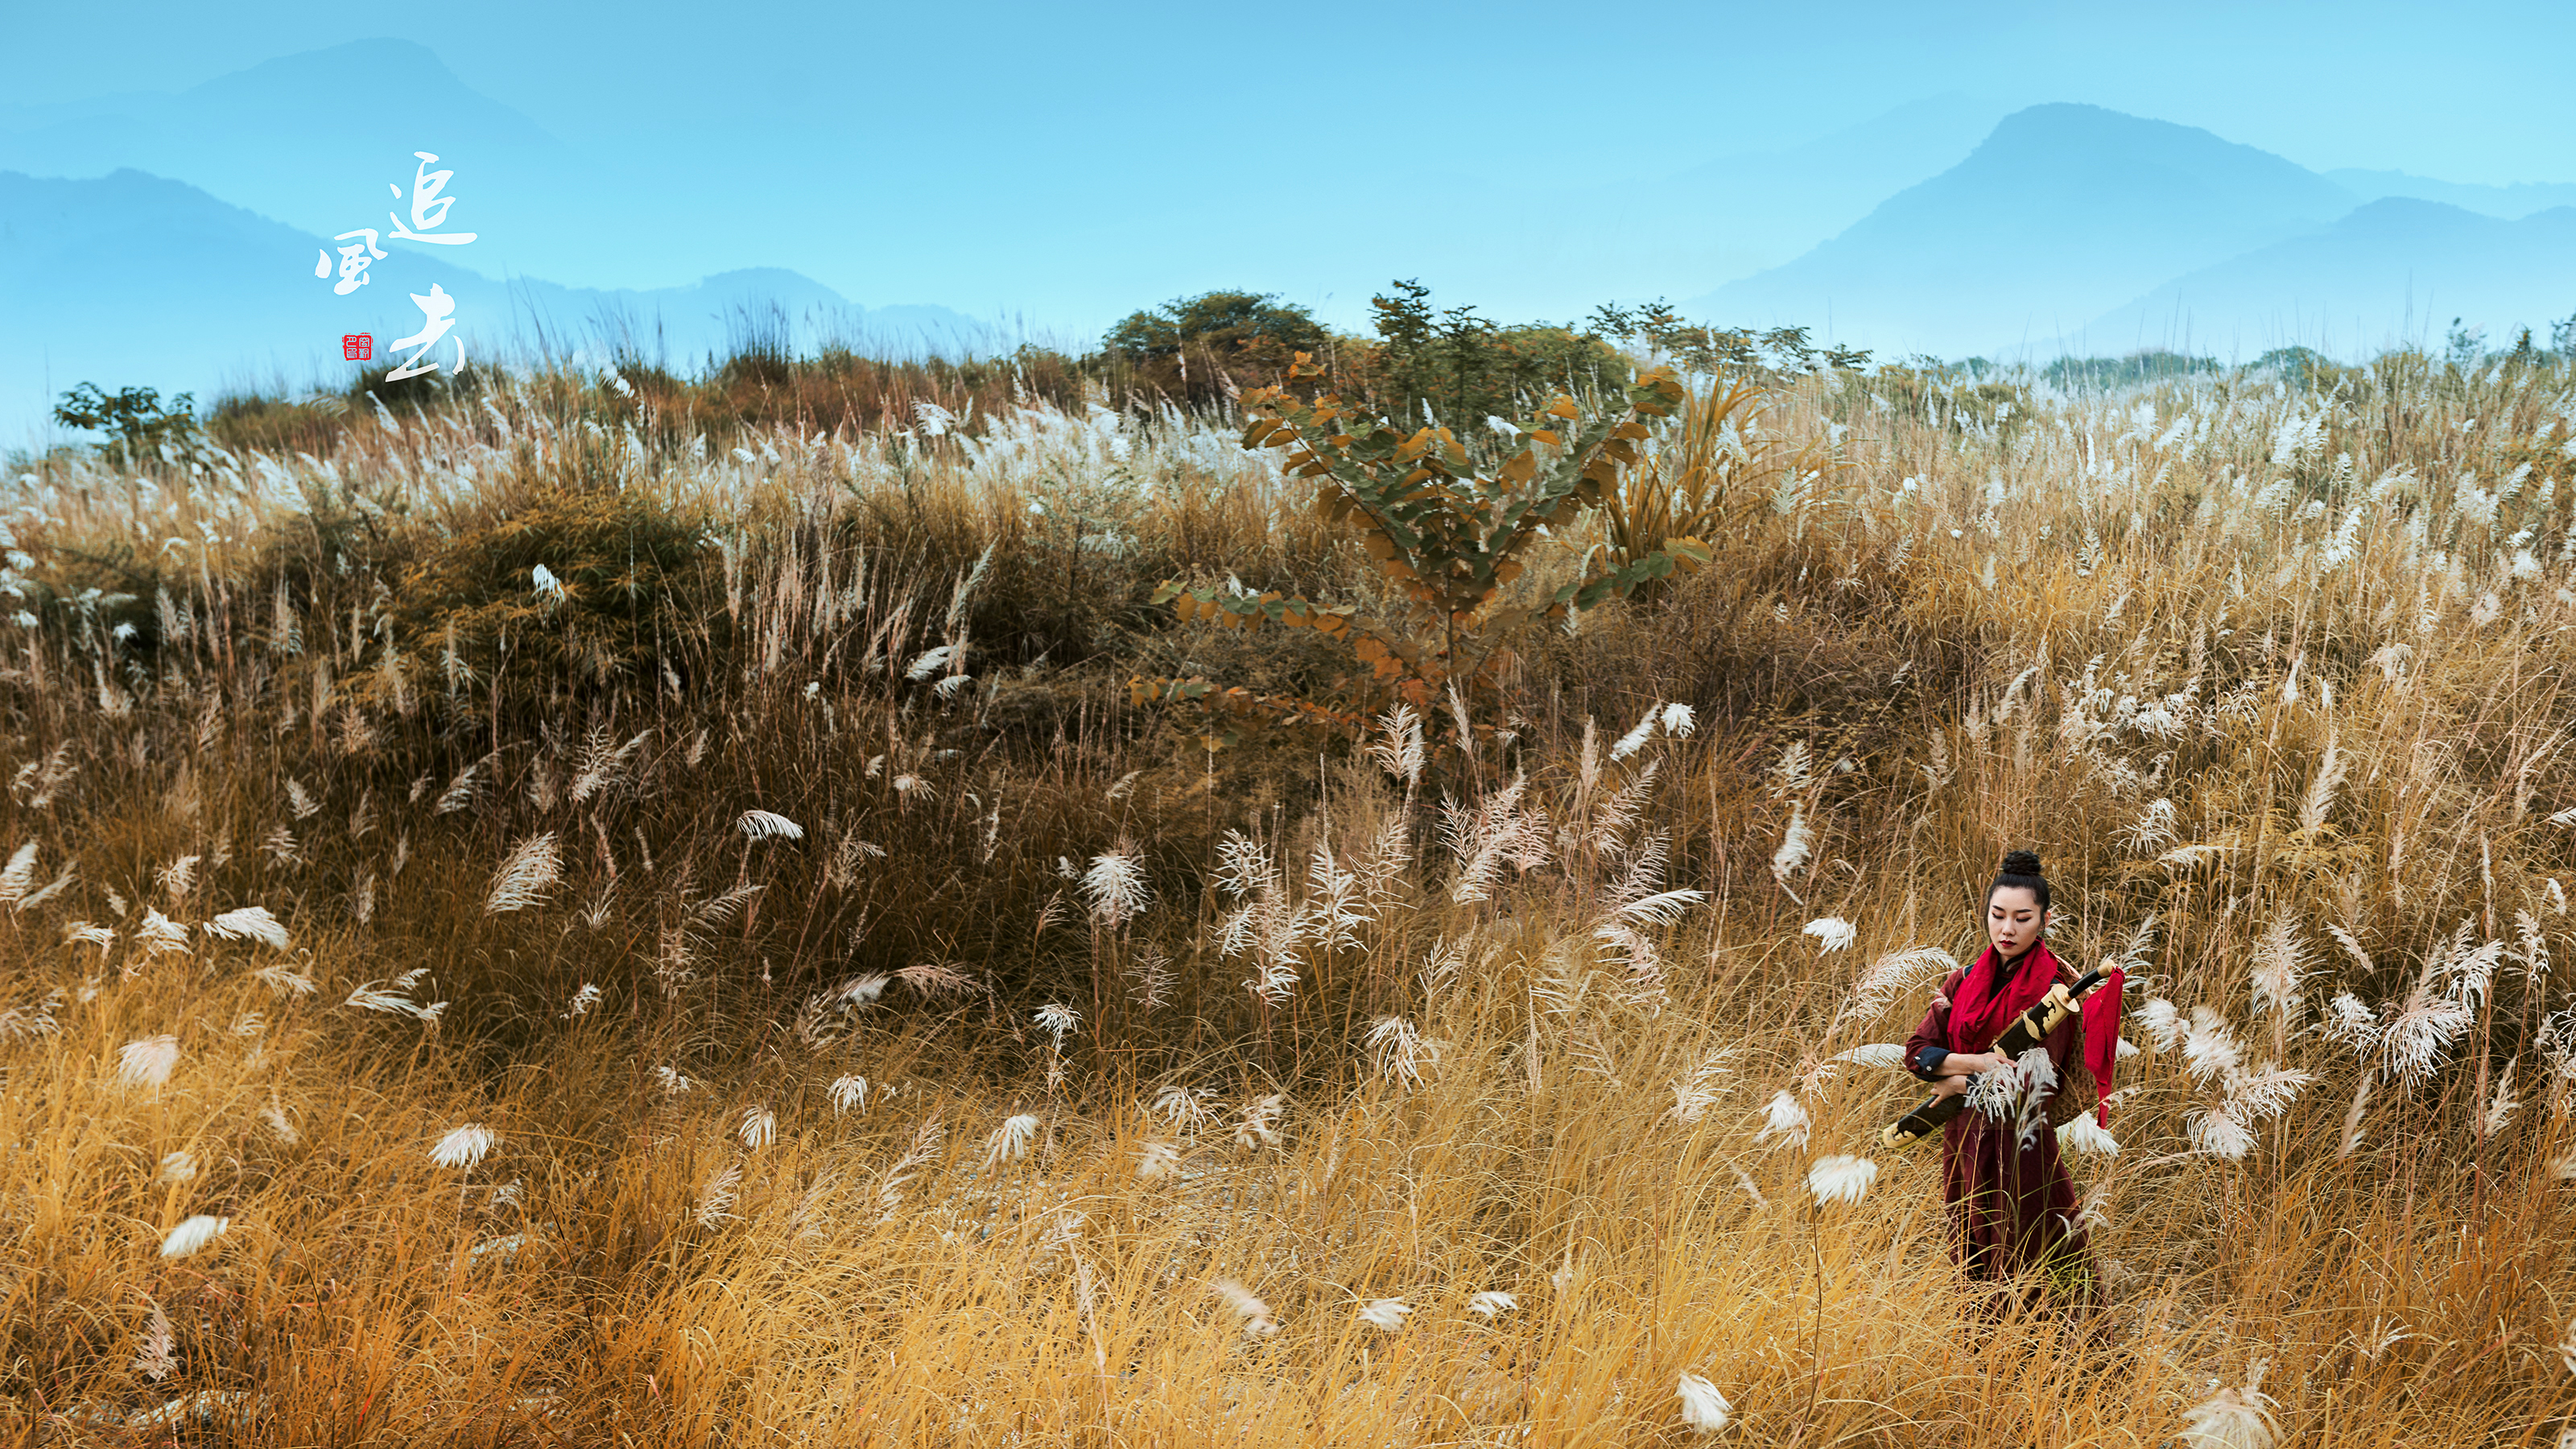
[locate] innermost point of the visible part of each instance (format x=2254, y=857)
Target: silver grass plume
x=1115, y=886
x=531, y=866
x=20, y=873
x=715, y=1200
x=1795, y=842
x=2280, y=964
x=602, y=766
x=1398, y=1051
x=1884, y=979
x=1400, y=753
x=250, y=923
x=764, y=825
x=153, y=1358
x=2319, y=801
x=1498, y=832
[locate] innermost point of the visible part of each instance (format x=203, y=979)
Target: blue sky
x=1050, y=160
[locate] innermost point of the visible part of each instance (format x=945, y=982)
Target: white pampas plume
x=1385, y=1313
x=147, y=1063
x=2219, y=1135
x=2319, y=801
x=1784, y=1119
x=82, y=933
x=1679, y=721
x=930, y=663
x=1876, y=1054
x=1832, y=933
x=193, y=1234
x=2280, y=964
x=20, y=873
x=1400, y=754
x=762, y=825
x=278, y=976
x=153, y=1359
x=2503, y=1104
x=1696, y=1093
x=1010, y=1141
x=1398, y=1051
x=1664, y=908
x=547, y=586
x=2232, y=1418
x=1259, y=1126
x=53, y=888
x=463, y=1147
x=715, y=1200
x=1704, y=1409
x=1635, y=739
x=2084, y=1135
x=1794, y=844
x=1254, y=1313
x=849, y=1092
x=758, y=1128
x=1841, y=1178
x=1492, y=1303
x=2163, y=1021
x=531, y=866
x=1159, y=1159
x=179, y=1166
x=1115, y=886
x=250, y=923
x=159, y=935
x=2208, y=1047
x=1890, y=974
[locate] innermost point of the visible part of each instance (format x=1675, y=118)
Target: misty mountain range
x=170, y=239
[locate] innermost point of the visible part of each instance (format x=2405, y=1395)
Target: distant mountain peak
x=2064, y=211
x=377, y=59
x=2063, y=132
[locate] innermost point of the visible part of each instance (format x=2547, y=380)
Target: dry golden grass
x=983, y=1138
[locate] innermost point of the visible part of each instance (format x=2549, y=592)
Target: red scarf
x=1988, y=999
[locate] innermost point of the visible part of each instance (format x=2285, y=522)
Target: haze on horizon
x=1061, y=168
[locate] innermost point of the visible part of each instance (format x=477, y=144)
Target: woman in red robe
x=2012, y=1206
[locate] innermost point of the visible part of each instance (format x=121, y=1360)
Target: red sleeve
x=1931, y=1034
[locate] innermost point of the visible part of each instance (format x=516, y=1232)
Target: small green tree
x=1450, y=532
x=136, y=415
x=1466, y=367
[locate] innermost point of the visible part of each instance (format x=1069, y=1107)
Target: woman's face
x=2014, y=919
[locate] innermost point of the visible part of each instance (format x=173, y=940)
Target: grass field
x=763, y=981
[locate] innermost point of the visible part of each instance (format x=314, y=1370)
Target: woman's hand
x=1963, y=1065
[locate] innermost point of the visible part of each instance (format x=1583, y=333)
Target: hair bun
x=2021, y=862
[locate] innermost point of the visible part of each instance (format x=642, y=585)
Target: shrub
x=1203, y=348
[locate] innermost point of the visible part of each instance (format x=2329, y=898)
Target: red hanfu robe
x=2012, y=1206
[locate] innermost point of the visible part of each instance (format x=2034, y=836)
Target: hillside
x=522, y=930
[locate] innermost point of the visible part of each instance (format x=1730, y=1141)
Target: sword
x=2026, y=1031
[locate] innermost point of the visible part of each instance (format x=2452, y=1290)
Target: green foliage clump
x=1198, y=349
x=1448, y=531
x=1453, y=366
x=138, y=417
